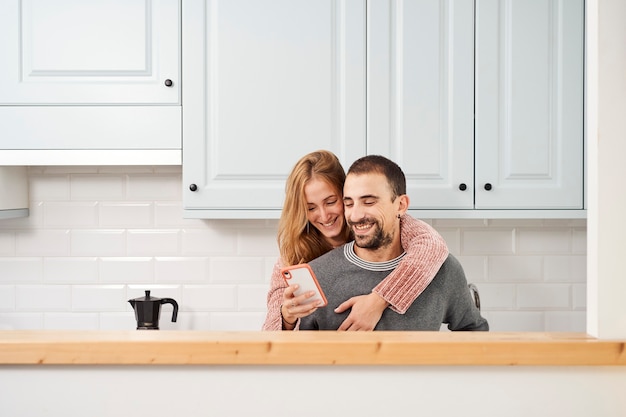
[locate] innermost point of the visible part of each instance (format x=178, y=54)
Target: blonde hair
x=298, y=241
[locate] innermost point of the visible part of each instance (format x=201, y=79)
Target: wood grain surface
x=306, y=348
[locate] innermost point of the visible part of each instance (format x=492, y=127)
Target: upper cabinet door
x=265, y=83
x=420, y=65
x=89, y=52
x=529, y=104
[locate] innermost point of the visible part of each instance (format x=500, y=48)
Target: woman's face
x=325, y=210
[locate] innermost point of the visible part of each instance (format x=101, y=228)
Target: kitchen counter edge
x=157, y=347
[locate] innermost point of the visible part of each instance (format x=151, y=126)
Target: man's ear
x=403, y=204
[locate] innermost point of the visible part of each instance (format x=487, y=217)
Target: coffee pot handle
x=172, y=302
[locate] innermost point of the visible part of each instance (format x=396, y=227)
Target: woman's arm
x=273, y=319
x=426, y=251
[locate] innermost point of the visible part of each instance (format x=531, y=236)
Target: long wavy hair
x=298, y=241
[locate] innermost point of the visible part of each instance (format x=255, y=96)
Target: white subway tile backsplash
x=497, y=296
x=187, y=321
x=21, y=270
x=7, y=297
x=43, y=297
x=544, y=241
x=118, y=321
x=71, y=321
x=237, y=270
x=148, y=242
x=514, y=268
x=7, y=243
x=544, y=296
x=156, y=290
x=43, y=242
x=566, y=268
x=209, y=242
x=168, y=214
x=132, y=215
x=516, y=321
x=579, y=244
x=579, y=296
x=487, y=242
x=70, y=270
x=66, y=169
x=566, y=321
x=126, y=270
x=237, y=321
x=97, y=187
x=210, y=297
x=98, y=243
x=257, y=242
x=457, y=223
x=475, y=268
x=251, y=297
x=182, y=269
x=21, y=321
x=99, y=236
x=98, y=298
x=453, y=240
x=69, y=214
x=154, y=187
x=49, y=187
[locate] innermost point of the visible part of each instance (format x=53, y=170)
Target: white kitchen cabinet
x=524, y=149
x=265, y=83
x=420, y=91
x=102, y=75
x=461, y=93
x=529, y=104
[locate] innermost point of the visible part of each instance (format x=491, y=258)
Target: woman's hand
x=296, y=307
x=366, y=312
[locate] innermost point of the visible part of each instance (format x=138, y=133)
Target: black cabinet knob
x=462, y=187
x=169, y=83
x=193, y=187
x=488, y=187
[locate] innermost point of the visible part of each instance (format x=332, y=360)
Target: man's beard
x=376, y=240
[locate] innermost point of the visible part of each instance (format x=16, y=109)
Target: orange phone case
x=303, y=275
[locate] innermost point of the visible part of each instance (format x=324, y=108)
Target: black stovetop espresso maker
x=148, y=311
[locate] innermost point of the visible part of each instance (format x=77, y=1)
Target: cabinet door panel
x=529, y=104
x=268, y=82
x=420, y=96
x=89, y=52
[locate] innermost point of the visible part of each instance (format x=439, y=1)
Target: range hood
x=13, y=192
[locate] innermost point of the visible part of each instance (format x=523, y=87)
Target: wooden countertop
x=306, y=348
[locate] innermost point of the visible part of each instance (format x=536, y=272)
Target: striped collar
x=348, y=251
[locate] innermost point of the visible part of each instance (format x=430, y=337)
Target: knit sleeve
x=273, y=319
x=426, y=250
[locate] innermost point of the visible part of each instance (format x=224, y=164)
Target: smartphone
x=303, y=275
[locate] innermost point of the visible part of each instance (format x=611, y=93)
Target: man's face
x=370, y=211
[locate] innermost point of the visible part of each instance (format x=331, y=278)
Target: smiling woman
x=312, y=223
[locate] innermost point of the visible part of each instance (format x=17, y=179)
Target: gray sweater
x=343, y=275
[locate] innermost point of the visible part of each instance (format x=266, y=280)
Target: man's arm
x=462, y=313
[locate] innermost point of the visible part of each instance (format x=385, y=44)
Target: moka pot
x=148, y=311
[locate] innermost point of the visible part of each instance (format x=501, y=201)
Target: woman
x=312, y=223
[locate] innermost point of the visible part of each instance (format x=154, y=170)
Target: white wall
x=98, y=236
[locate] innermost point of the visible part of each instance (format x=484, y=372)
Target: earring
x=398, y=215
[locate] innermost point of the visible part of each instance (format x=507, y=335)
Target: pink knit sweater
x=425, y=250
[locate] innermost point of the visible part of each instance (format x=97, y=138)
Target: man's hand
x=366, y=312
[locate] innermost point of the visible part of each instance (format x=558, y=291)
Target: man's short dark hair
x=381, y=165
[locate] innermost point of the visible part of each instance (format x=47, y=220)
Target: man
x=375, y=199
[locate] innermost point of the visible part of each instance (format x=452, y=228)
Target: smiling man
x=375, y=199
